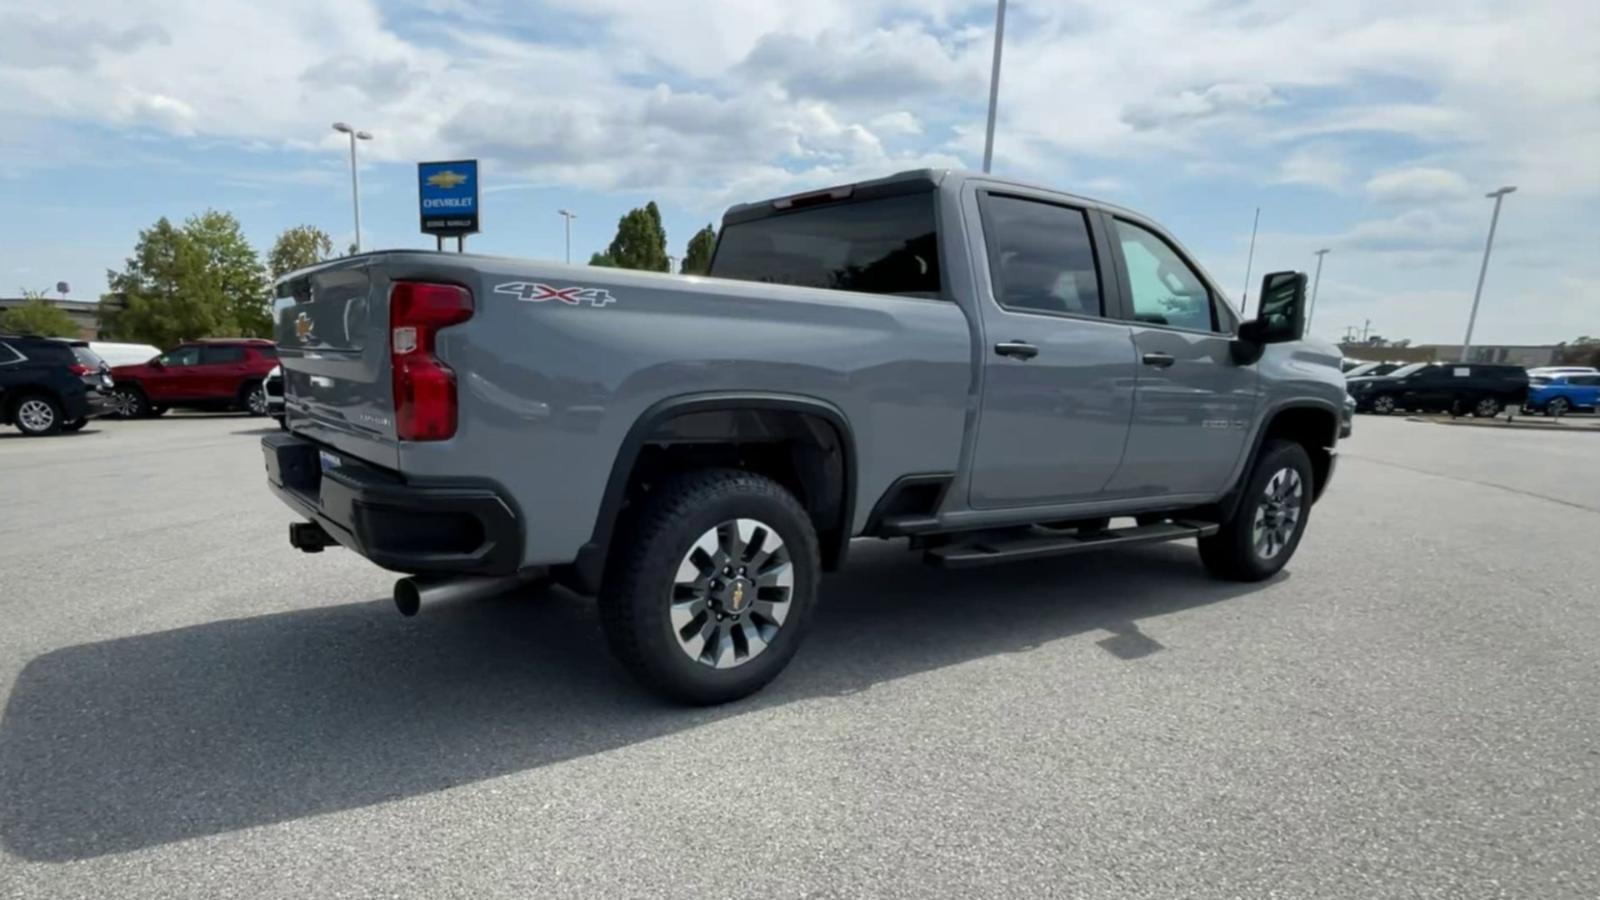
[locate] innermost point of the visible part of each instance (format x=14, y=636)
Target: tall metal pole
x=1499, y=196
x=1315, y=283
x=355, y=189
x=1244, y=301
x=355, y=178
x=994, y=83
x=569, y=216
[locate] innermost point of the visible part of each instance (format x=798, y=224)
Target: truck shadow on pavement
x=146, y=740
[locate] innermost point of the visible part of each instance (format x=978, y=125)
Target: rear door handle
x=1016, y=349
x=1159, y=360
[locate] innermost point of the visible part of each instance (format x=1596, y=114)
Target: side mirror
x=157, y=363
x=1282, y=316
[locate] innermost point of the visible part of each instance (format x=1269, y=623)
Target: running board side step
x=1038, y=543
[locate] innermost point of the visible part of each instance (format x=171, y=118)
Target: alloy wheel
x=256, y=401
x=35, y=415
x=1277, y=513
x=1557, y=407
x=1383, y=405
x=732, y=593
x=1487, y=408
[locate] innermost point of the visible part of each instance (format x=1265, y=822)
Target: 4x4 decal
x=534, y=292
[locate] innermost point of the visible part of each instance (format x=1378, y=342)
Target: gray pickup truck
x=992, y=370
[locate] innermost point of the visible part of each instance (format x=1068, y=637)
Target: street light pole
x=994, y=83
x=355, y=179
x=1499, y=196
x=569, y=215
x=1315, y=283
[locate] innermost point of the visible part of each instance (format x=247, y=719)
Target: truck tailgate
x=331, y=326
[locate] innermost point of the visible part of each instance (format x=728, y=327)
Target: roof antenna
x=1244, y=302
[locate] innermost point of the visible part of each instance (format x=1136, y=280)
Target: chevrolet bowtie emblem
x=447, y=179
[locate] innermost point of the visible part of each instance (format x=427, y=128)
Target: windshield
x=881, y=246
x=1364, y=369
x=1403, y=371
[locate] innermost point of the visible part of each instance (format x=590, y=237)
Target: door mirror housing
x=1281, y=318
x=157, y=364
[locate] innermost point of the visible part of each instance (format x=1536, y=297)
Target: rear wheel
x=253, y=398
x=1266, y=528
x=130, y=402
x=37, y=415
x=710, y=585
x=1557, y=407
x=1486, y=408
x=1383, y=405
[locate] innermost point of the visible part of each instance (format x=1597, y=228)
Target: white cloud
x=1312, y=165
x=1416, y=184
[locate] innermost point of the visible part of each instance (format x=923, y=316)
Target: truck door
x=1058, y=370
x=1193, y=406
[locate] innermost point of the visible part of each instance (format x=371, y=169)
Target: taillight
x=79, y=369
x=424, y=387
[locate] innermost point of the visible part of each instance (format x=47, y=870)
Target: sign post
x=447, y=194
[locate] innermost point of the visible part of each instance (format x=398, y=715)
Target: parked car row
x=50, y=385
x=1479, y=389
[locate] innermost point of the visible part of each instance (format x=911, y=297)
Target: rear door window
x=885, y=245
x=219, y=356
x=1041, y=257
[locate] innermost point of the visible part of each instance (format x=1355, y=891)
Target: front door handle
x=1016, y=349
x=1159, y=360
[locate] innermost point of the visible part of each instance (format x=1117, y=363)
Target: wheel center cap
x=738, y=595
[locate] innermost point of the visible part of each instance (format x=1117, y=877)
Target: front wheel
x=1383, y=405
x=1557, y=407
x=1266, y=528
x=1486, y=408
x=710, y=585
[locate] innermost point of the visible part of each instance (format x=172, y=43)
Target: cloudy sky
x=1373, y=128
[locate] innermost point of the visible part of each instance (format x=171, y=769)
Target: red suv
x=224, y=373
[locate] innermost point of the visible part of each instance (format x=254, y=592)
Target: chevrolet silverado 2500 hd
x=989, y=369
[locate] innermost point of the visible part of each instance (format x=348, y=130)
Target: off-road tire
x=1231, y=553
x=650, y=544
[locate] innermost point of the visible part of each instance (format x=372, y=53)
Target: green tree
x=697, y=259
x=298, y=247
x=238, y=270
x=37, y=316
x=641, y=242
x=166, y=291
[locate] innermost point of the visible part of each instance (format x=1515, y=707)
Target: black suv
x=49, y=385
x=1457, y=388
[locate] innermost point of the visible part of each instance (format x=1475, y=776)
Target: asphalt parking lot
x=192, y=708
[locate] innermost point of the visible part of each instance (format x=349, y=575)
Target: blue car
x=1557, y=395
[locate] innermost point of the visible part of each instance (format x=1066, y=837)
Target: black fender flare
x=1230, y=501
x=589, y=566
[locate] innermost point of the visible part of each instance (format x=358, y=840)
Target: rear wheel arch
x=803, y=443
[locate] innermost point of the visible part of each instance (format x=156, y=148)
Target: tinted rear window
x=267, y=352
x=88, y=357
x=212, y=355
x=881, y=246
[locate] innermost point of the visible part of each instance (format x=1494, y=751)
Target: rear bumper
x=460, y=527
